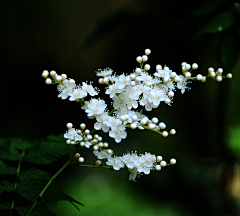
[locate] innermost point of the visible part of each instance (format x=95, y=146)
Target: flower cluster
x=128, y=92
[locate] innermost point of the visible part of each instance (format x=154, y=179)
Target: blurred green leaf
x=48, y=150
x=7, y=170
x=5, y=205
x=218, y=23
x=38, y=211
x=8, y=150
x=208, y=7
x=230, y=49
x=33, y=173
x=6, y=186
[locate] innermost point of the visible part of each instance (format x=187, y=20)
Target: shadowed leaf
x=38, y=211
x=7, y=170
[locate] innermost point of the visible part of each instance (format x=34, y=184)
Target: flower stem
x=107, y=167
x=16, y=181
x=49, y=183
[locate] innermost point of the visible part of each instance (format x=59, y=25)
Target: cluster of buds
x=128, y=92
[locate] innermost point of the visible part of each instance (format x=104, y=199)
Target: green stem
x=107, y=167
x=49, y=183
x=16, y=181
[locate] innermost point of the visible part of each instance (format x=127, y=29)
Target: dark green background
x=78, y=37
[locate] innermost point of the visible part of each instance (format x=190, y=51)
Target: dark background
x=78, y=37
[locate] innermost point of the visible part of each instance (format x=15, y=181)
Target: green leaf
x=208, y=7
x=31, y=188
x=48, y=150
x=33, y=173
x=5, y=205
x=223, y=20
x=230, y=49
x=6, y=186
x=38, y=211
x=7, y=170
x=8, y=150
x=20, y=143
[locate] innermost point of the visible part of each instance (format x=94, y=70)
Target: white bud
x=166, y=68
x=162, y=125
x=77, y=155
x=159, y=158
x=146, y=67
x=132, y=76
x=199, y=77
x=134, y=118
x=151, y=126
x=81, y=160
x=100, y=81
x=68, y=141
x=89, y=136
x=123, y=118
x=139, y=59
x=79, y=132
x=95, y=148
x=210, y=70
x=219, y=70
x=82, y=126
x=143, y=121
x=105, y=145
x=184, y=68
x=188, y=66
x=155, y=120
x=173, y=74
x=158, y=167
x=188, y=74
x=99, y=139
x=98, y=163
x=138, y=79
x=167, y=101
x=194, y=66
x=173, y=161
x=184, y=63
x=204, y=79
x=105, y=80
x=171, y=94
x=165, y=133
x=138, y=70
x=172, y=132
x=212, y=74
x=144, y=58
x=58, y=78
x=87, y=131
x=147, y=51
x=176, y=78
x=45, y=74
x=82, y=143
x=48, y=81
x=53, y=74
x=229, y=76
x=71, y=81
x=69, y=125
x=166, y=79
x=219, y=78
x=64, y=76
x=158, y=67
x=133, y=126
x=133, y=83
x=109, y=151
x=100, y=144
x=163, y=163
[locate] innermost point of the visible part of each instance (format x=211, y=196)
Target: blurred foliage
x=79, y=37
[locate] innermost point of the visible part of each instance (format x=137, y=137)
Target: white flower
x=122, y=81
x=118, y=133
x=89, y=89
x=101, y=122
x=103, y=154
x=65, y=90
x=143, y=165
x=182, y=83
x=157, y=95
x=77, y=93
x=73, y=135
x=95, y=107
x=115, y=162
x=104, y=73
x=129, y=160
x=113, y=90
